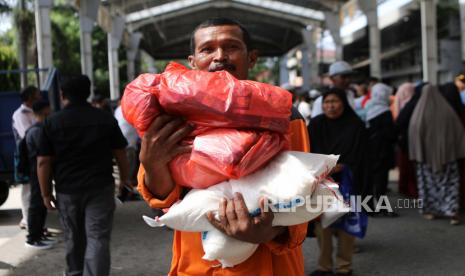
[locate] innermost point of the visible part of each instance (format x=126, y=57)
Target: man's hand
x=49, y=202
x=160, y=145
x=236, y=222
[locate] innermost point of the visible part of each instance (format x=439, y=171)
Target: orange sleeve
x=299, y=141
x=150, y=198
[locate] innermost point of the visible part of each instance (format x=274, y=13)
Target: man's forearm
x=44, y=173
x=159, y=182
x=123, y=164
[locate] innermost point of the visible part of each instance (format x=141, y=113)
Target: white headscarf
x=379, y=102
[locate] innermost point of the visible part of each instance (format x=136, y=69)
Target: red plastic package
x=138, y=104
x=221, y=154
x=218, y=99
x=240, y=125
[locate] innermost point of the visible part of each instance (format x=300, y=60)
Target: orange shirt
x=271, y=258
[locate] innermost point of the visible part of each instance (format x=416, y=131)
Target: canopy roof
x=166, y=26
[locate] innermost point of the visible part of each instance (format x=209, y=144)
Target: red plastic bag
x=138, y=104
x=222, y=154
x=221, y=107
x=217, y=99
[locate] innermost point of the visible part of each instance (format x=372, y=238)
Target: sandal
x=428, y=216
x=455, y=220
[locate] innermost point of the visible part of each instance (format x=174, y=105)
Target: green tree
x=8, y=61
x=24, y=23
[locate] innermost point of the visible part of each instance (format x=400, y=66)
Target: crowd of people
x=418, y=128
x=373, y=127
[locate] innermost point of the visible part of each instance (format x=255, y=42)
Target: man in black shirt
x=78, y=143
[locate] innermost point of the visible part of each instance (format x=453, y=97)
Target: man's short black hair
x=27, y=93
x=39, y=106
x=221, y=21
x=372, y=79
x=76, y=88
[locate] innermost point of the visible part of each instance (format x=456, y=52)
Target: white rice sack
x=325, y=199
x=337, y=209
x=289, y=175
x=292, y=180
x=228, y=251
x=189, y=213
x=288, y=181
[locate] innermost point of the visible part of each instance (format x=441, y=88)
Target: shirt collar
x=23, y=106
x=73, y=105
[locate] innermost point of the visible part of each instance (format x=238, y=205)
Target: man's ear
x=253, y=57
x=191, y=60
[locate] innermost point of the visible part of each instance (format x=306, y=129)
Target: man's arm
x=44, y=174
x=123, y=166
x=160, y=145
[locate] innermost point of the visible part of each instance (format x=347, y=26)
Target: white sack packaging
x=292, y=180
x=228, y=251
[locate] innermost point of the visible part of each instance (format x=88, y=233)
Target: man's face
x=341, y=81
x=460, y=85
x=222, y=48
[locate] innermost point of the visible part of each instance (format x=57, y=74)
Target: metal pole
x=462, y=26
x=114, y=40
x=333, y=25
x=88, y=10
x=44, y=36
x=370, y=9
x=429, y=40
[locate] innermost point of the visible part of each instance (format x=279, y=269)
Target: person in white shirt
x=302, y=105
x=340, y=73
x=22, y=120
x=130, y=133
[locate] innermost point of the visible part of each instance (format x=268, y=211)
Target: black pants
x=37, y=213
x=87, y=219
x=380, y=178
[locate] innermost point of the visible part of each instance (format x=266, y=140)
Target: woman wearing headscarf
x=452, y=96
x=339, y=131
x=403, y=96
x=451, y=92
x=436, y=139
x=406, y=105
x=382, y=137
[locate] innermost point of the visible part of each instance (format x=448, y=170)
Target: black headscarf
x=452, y=95
x=345, y=136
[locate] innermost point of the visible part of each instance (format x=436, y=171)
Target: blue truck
x=9, y=102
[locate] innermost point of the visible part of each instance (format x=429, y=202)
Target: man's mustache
x=222, y=66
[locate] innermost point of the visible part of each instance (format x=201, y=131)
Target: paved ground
x=407, y=245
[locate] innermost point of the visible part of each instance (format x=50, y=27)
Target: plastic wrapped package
x=218, y=99
x=221, y=154
x=296, y=184
x=138, y=104
x=214, y=243
x=240, y=125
